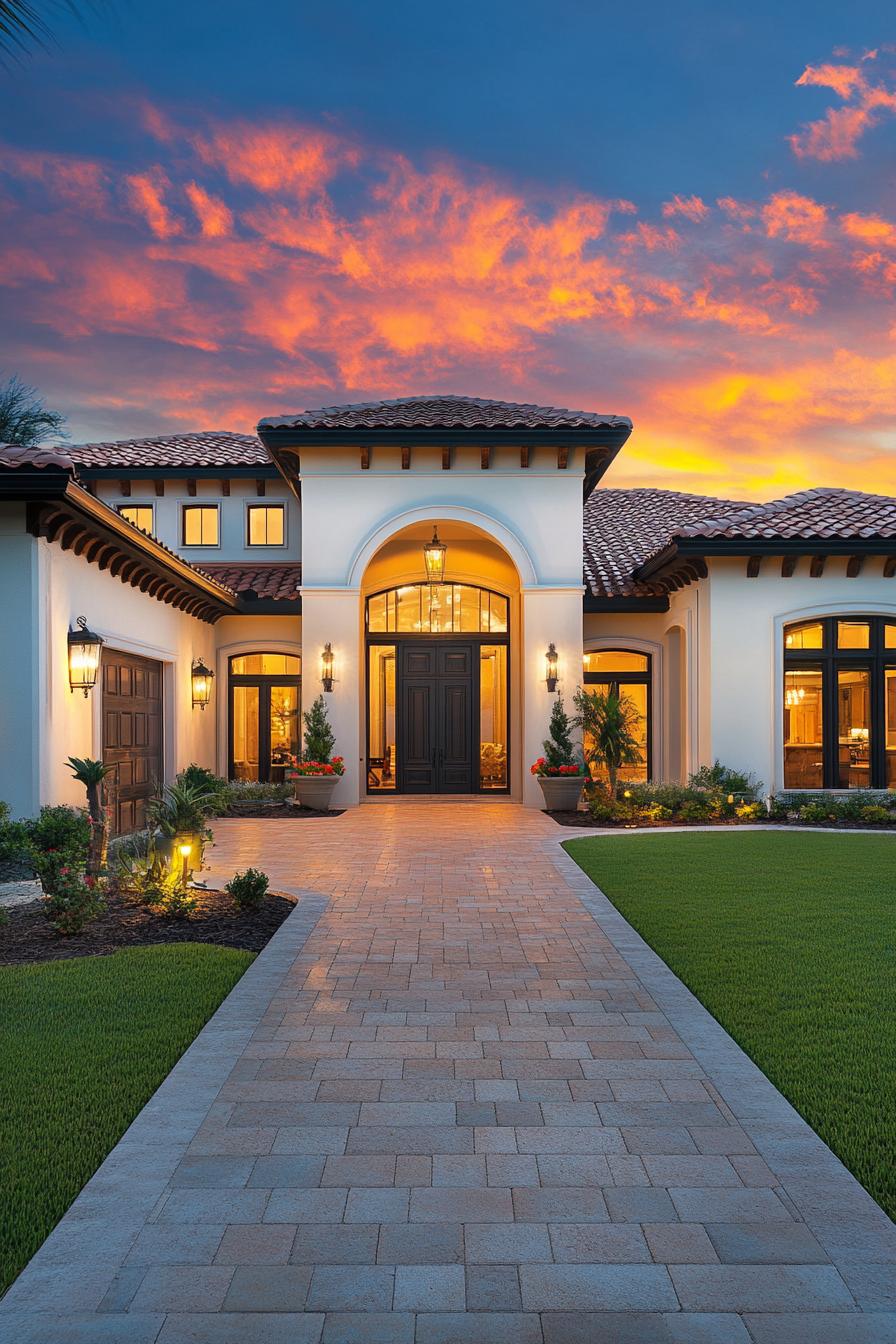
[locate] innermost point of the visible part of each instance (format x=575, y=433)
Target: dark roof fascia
x=631, y=603
x=738, y=546
x=262, y=470
x=601, y=436
x=269, y=606
x=27, y=484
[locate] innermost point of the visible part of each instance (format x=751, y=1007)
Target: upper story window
x=138, y=514
x=437, y=608
x=840, y=703
x=200, y=525
x=266, y=525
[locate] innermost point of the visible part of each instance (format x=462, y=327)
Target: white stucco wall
x=21, y=707
x=743, y=665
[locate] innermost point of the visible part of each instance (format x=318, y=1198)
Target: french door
x=265, y=726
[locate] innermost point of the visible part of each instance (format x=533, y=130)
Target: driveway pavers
x=458, y=1099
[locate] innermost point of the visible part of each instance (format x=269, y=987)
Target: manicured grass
x=85, y=1042
x=790, y=942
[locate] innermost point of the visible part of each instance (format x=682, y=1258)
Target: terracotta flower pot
x=315, y=791
x=561, y=792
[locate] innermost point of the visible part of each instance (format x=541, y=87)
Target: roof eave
x=702, y=547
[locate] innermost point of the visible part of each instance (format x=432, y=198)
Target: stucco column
x=332, y=614
x=550, y=614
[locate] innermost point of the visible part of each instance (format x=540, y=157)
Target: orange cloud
x=692, y=207
x=146, y=192
x=871, y=229
x=215, y=219
x=836, y=135
x=797, y=218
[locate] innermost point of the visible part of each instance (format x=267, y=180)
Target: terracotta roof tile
x=280, y=582
x=212, y=448
x=14, y=455
x=824, y=514
x=443, y=412
x=622, y=528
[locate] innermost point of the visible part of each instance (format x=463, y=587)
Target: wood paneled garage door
x=132, y=735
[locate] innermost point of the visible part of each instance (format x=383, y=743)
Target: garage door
x=132, y=735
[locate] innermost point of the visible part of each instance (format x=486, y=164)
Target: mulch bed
x=27, y=936
x=280, y=811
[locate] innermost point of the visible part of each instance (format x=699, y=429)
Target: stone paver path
x=458, y=1101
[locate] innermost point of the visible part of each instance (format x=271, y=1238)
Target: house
x=436, y=565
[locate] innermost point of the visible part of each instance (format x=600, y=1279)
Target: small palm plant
x=92, y=775
x=610, y=730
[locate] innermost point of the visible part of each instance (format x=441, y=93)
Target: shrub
x=248, y=889
x=175, y=900
x=253, y=791
x=656, y=812
x=319, y=739
x=696, y=810
x=203, y=780
x=71, y=897
x=721, y=779
x=59, y=828
x=181, y=809
x=13, y=838
x=815, y=814
x=749, y=811
x=875, y=814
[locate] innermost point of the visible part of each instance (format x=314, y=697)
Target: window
x=266, y=525
x=140, y=515
x=628, y=675
x=840, y=704
x=437, y=609
x=200, y=525
x=265, y=715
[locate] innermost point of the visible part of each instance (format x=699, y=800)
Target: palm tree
x=92, y=774
x=22, y=24
x=609, y=725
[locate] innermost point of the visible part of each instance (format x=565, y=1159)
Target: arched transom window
x=840, y=703
x=437, y=609
x=627, y=674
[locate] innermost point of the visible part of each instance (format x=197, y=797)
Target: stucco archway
x=489, y=527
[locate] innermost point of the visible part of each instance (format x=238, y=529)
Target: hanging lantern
x=326, y=667
x=550, y=664
x=434, y=558
x=84, y=649
x=202, y=678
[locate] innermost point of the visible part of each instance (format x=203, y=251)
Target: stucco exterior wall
x=21, y=703
x=232, y=534
x=743, y=670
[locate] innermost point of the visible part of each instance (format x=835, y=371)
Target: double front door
x=437, y=734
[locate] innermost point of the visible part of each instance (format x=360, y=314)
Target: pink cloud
x=836, y=135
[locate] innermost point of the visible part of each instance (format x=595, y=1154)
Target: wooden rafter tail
x=753, y=565
x=524, y=458
x=160, y=487
x=890, y=567
x=485, y=457
x=854, y=566
x=816, y=566
x=788, y=566
x=406, y=458
x=446, y=458
x=365, y=457
x=562, y=458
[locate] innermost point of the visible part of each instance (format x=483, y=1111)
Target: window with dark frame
x=839, y=703
x=199, y=525
x=266, y=525
x=627, y=673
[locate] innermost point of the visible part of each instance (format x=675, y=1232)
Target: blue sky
x=140, y=261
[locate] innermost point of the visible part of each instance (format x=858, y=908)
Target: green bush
x=721, y=779
x=175, y=901
x=59, y=828
x=695, y=810
x=248, y=889
x=13, y=838
x=253, y=791
x=875, y=814
x=74, y=899
x=815, y=814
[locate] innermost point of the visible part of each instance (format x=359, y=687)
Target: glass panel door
x=382, y=728
x=284, y=729
x=246, y=755
x=890, y=727
x=803, y=729
x=636, y=692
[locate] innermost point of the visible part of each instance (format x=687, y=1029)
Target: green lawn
x=790, y=942
x=84, y=1043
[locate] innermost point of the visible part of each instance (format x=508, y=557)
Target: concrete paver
x=458, y=1099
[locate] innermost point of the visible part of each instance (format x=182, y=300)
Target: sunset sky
x=682, y=213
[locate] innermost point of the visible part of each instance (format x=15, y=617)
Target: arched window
x=264, y=708
x=839, y=703
x=627, y=674
x=437, y=609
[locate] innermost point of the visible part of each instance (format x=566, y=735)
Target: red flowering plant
x=317, y=758
x=560, y=756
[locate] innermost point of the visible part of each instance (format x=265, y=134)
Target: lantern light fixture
x=434, y=553
x=326, y=667
x=84, y=650
x=550, y=663
x=202, y=678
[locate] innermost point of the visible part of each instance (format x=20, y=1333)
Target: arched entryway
x=440, y=693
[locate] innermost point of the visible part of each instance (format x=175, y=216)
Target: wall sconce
x=550, y=664
x=434, y=558
x=326, y=667
x=202, y=678
x=84, y=649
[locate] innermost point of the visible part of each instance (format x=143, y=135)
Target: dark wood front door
x=435, y=738
x=132, y=736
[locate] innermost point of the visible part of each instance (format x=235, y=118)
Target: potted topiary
x=560, y=770
x=317, y=771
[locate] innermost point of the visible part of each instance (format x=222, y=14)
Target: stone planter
x=561, y=792
x=315, y=791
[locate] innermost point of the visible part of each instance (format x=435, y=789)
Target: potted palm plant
x=609, y=725
x=560, y=771
x=317, y=771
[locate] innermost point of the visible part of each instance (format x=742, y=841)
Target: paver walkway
x=458, y=1101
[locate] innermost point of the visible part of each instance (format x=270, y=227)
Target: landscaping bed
x=280, y=811
x=583, y=820
x=787, y=939
x=88, y=1042
x=27, y=935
